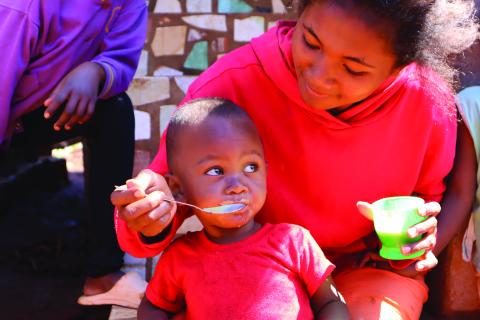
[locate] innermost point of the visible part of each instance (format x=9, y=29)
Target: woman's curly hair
x=428, y=32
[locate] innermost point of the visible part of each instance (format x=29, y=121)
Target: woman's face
x=338, y=59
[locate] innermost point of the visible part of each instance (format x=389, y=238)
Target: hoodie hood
x=274, y=52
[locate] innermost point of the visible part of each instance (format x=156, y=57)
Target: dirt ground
x=42, y=241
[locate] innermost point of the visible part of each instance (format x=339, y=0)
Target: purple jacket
x=42, y=40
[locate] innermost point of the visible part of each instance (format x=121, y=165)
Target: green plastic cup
x=391, y=218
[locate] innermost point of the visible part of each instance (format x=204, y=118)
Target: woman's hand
x=140, y=203
x=428, y=230
x=78, y=90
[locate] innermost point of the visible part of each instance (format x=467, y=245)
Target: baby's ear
x=175, y=186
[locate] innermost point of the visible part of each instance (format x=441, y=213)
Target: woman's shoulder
x=432, y=91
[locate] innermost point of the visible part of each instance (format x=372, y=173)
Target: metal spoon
x=225, y=209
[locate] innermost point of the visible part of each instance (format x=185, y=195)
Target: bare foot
x=93, y=286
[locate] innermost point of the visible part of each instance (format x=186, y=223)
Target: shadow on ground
x=42, y=243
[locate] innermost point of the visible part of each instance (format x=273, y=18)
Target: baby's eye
x=250, y=168
x=214, y=172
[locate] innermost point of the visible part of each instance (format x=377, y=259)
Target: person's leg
x=36, y=135
x=476, y=250
x=375, y=294
x=109, y=147
x=109, y=155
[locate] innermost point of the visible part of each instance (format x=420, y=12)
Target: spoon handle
x=184, y=203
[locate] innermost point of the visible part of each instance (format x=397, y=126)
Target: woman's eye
x=352, y=72
x=214, y=172
x=251, y=168
x=308, y=44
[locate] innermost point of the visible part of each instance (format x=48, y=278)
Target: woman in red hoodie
x=353, y=102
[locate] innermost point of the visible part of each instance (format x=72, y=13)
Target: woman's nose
x=322, y=75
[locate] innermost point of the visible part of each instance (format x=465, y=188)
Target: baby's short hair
x=194, y=112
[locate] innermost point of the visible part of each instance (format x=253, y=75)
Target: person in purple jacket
x=66, y=65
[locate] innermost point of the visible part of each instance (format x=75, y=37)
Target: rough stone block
x=453, y=287
x=142, y=160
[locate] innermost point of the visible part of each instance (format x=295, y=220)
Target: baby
x=234, y=268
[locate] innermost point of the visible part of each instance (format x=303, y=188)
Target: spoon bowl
x=226, y=208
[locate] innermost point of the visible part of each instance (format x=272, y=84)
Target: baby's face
x=219, y=162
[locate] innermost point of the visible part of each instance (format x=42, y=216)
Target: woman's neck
x=339, y=110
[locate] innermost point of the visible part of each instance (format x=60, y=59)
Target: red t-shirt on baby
x=269, y=275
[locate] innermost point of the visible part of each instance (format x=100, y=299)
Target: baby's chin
x=234, y=220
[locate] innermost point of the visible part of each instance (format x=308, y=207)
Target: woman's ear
x=175, y=186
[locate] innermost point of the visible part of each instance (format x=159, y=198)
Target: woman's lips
x=315, y=93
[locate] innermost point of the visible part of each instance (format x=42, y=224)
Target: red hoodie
x=398, y=141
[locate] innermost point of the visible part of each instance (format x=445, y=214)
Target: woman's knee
x=380, y=294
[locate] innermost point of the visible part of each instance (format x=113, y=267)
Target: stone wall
x=184, y=38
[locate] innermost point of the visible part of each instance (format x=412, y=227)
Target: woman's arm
x=121, y=46
x=456, y=207
x=327, y=302
x=458, y=199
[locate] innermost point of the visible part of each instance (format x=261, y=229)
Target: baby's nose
x=235, y=185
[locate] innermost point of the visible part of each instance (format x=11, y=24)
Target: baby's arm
x=148, y=311
x=328, y=303
x=315, y=269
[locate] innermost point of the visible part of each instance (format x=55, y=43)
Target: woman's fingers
x=140, y=203
x=89, y=112
x=56, y=99
x=156, y=220
x=68, y=112
x=429, y=225
x=140, y=207
x=430, y=209
x=151, y=212
x=427, y=243
x=122, y=196
x=77, y=113
x=134, y=189
x=429, y=262
x=148, y=181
